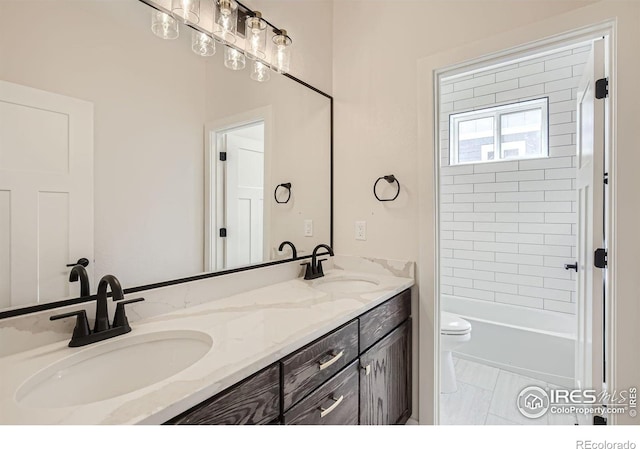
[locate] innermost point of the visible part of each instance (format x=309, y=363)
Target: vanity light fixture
x=163, y=25
x=281, y=51
x=188, y=10
x=201, y=44
x=234, y=59
x=218, y=21
x=260, y=72
x=226, y=20
x=255, y=42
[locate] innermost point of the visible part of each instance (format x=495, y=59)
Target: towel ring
x=286, y=185
x=390, y=179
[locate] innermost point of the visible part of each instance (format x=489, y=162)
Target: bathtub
x=531, y=342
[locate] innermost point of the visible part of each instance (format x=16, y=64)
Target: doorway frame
x=212, y=176
x=432, y=69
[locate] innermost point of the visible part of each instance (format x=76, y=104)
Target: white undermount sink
x=346, y=284
x=112, y=368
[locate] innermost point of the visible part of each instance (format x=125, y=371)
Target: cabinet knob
x=366, y=369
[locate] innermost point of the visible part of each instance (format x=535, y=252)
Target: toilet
x=454, y=331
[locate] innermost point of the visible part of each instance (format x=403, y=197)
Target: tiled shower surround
x=508, y=228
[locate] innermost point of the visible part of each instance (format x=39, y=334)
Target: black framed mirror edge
x=72, y=301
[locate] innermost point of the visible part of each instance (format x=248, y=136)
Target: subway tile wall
x=508, y=228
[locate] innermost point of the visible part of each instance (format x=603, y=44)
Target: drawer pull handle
x=325, y=411
x=331, y=361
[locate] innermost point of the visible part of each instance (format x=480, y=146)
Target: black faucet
x=314, y=268
x=102, y=313
x=82, y=335
x=293, y=248
x=79, y=272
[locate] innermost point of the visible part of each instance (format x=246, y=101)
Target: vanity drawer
x=335, y=402
x=253, y=401
x=378, y=322
x=309, y=367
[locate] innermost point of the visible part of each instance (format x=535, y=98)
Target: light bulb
x=226, y=18
x=234, y=59
x=256, y=37
x=188, y=10
x=163, y=25
x=201, y=44
x=281, y=53
x=260, y=72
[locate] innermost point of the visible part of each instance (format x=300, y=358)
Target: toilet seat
x=451, y=324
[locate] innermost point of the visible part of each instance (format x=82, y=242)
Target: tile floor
x=487, y=395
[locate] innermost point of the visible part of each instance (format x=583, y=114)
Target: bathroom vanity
x=358, y=374
x=327, y=351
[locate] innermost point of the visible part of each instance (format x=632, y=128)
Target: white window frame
x=496, y=112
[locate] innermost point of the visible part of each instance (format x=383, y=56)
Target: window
x=513, y=131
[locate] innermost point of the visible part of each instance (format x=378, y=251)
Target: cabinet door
x=385, y=379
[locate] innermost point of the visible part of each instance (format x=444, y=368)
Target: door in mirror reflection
x=46, y=193
x=244, y=195
x=240, y=195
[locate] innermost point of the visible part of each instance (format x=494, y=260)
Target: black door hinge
x=600, y=258
x=599, y=420
x=223, y=156
x=223, y=232
x=602, y=88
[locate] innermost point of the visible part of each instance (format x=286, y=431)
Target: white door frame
x=211, y=177
x=429, y=315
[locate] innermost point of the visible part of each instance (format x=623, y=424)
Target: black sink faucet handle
x=120, y=318
x=319, y=270
x=82, y=324
x=82, y=261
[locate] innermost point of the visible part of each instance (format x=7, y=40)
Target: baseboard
x=562, y=381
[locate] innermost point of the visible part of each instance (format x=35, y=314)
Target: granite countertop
x=250, y=331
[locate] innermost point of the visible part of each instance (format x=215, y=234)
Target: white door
x=590, y=190
x=46, y=193
x=244, y=200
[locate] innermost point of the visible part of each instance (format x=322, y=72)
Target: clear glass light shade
x=164, y=26
x=188, y=10
x=226, y=20
x=260, y=72
x=281, y=52
x=201, y=44
x=255, y=37
x=234, y=59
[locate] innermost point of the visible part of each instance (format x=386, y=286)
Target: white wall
x=376, y=48
x=376, y=87
x=507, y=228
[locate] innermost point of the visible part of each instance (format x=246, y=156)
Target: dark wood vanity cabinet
x=309, y=367
x=359, y=373
x=335, y=402
x=255, y=400
x=385, y=379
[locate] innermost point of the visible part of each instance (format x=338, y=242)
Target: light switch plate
x=308, y=228
x=361, y=230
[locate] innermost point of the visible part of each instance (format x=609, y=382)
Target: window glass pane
x=476, y=140
x=521, y=134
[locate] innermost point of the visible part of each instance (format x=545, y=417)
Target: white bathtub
x=534, y=343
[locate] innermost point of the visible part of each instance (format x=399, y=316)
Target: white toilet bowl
x=454, y=331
